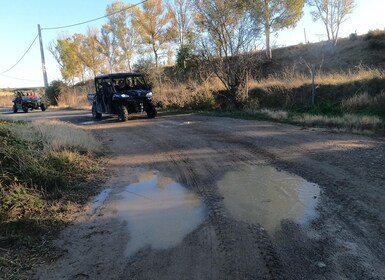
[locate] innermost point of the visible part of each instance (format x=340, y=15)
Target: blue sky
x=19, y=20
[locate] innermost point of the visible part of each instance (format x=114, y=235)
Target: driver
x=121, y=84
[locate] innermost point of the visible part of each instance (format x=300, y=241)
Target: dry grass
x=290, y=80
x=6, y=99
x=55, y=135
x=364, y=101
x=193, y=95
x=73, y=99
x=347, y=122
x=275, y=115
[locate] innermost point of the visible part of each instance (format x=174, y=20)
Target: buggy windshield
x=129, y=83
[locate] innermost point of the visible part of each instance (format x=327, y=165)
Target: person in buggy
x=27, y=100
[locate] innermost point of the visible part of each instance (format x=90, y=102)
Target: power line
x=95, y=19
x=20, y=79
x=30, y=46
x=61, y=27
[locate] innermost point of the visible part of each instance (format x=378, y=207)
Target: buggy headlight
x=149, y=94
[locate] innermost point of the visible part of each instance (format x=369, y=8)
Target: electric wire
x=61, y=27
x=95, y=19
x=25, y=53
x=20, y=79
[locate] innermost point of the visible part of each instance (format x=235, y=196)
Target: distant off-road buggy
x=27, y=99
x=121, y=94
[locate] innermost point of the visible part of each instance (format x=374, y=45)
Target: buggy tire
x=95, y=115
x=122, y=113
x=25, y=108
x=42, y=107
x=151, y=111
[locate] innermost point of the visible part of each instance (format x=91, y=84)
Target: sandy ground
x=196, y=197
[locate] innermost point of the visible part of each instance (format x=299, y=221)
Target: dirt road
x=195, y=197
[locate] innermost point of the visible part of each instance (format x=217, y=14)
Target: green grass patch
x=47, y=172
x=344, y=122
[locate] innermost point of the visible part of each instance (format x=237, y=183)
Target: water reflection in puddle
x=266, y=196
x=99, y=200
x=88, y=122
x=159, y=212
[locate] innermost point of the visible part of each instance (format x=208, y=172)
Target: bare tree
x=183, y=19
x=332, y=13
x=108, y=48
x=276, y=15
x=227, y=33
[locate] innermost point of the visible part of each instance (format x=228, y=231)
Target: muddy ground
x=196, y=197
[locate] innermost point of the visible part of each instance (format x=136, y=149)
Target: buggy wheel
x=151, y=111
x=25, y=108
x=122, y=113
x=97, y=116
x=42, y=107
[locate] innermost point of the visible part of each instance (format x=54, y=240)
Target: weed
x=43, y=181
x=6, y=99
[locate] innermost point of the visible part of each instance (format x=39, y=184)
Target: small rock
x=321, y=264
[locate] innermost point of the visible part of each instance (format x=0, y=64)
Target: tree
x=89, y=52
x=123, y=39
x=227, y=33
x=155, y=24
x=276, y=15
x=65, y=51
x=183, y=12
x=332, y=13
x=108, y=48
x=183, y=19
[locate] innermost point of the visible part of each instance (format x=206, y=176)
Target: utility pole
x=42, y=58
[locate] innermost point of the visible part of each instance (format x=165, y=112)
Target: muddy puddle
x=158, y=211
x=266, y=196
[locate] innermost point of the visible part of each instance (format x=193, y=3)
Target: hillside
x=355, y=53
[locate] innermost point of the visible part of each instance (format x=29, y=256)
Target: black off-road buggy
x=121, y=94
x=27, y=99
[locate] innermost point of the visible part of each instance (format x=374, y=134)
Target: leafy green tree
x=276, y=15
x=332, y=13
x=155, y=24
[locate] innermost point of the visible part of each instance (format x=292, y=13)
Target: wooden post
x=312, y=84
x=247, y=84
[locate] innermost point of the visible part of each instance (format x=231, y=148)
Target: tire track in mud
x=239, y=250
x=247, y=250
x=198, y=155
x=334, y=186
